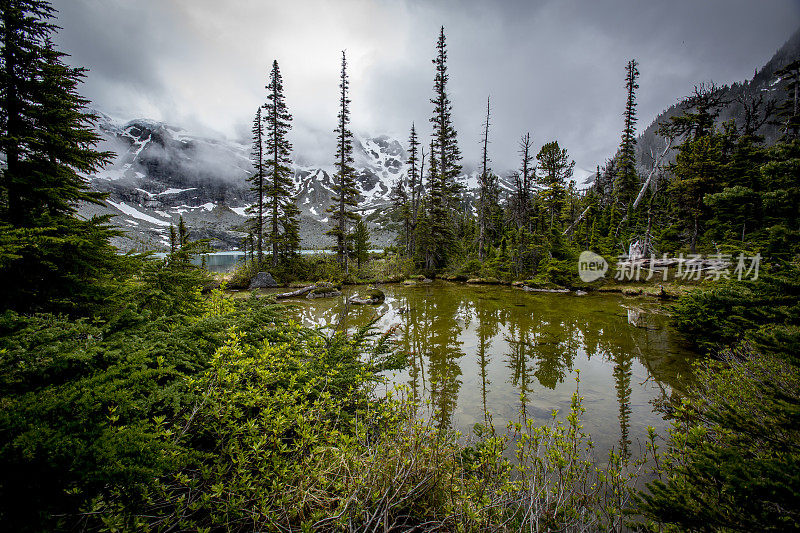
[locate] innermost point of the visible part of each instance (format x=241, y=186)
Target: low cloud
x=555, y=69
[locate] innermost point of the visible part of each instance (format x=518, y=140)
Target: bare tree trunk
x=577, y=221
x=261, y=218
x=275, y=223
x=656, y=167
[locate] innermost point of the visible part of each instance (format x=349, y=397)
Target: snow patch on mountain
x=162, y=173
x=135, y=213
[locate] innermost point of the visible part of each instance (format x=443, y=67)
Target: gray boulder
x=262, y=280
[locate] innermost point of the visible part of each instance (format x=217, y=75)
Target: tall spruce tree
x=278, y=154
x=47, y=136
x=402, y=208
x=49, y=258
x=414, y=187
x=627, y=179
x=257, y=182
x=790, y=108
x=290, y=226
x=438, y=234
x=361, y=244
x=444, y=190
x=697, y=169
x=344, y=187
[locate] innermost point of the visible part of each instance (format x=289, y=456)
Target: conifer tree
x=290, y=226
x=46, y=134
x=414, y=186
x=402, y=208
x=278, y=152
x=423, y=235
x=790, y=108
x=557, y=169
x=183, y=233
x=344, y=187
x=257, y=182
x=627, y=178
x=700, y=111
x=697, y=168
x=443, y=190
x=438, y=216
x=361, y=243
x=523, y=181
x=49, y=258
x=444, y=134
x=173, y=239
x=485, y=188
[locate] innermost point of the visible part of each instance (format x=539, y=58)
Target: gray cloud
x=554, y=68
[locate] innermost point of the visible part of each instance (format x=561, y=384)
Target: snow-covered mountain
x=162, y=172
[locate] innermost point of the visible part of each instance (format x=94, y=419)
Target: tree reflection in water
x=473, y=351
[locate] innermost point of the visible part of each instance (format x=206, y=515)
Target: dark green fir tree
x=257, y=183
x=556, y=168
x=627, y=179
x=49, y=257
x=344, y=187
x=444, y=191
x=278, y=160
x=414, y=186
x=790, y=109
x=361, y=244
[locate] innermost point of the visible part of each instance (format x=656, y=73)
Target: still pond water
x=475, y=349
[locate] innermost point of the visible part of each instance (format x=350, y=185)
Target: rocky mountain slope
x=764, y=83
x=161, y=173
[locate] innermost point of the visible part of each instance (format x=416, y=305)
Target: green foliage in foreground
x=80, y=401
x=733, y=458
x=733, y=461
x=765, y=312
x=234, y=419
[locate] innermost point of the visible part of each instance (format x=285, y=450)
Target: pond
x=473, y=350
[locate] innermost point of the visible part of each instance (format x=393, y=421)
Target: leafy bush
x=237, y=420
x=83, y=404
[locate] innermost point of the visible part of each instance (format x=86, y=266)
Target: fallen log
x=531, y=289
x=298, y=292
x=365, y=301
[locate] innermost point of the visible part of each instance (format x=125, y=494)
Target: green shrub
x=84, y=405
x=765, y=311
x=733, y=457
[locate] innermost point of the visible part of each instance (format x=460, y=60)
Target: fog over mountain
x=553, y=68
x=163, y=172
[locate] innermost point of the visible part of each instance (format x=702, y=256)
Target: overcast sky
x=554, y=68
